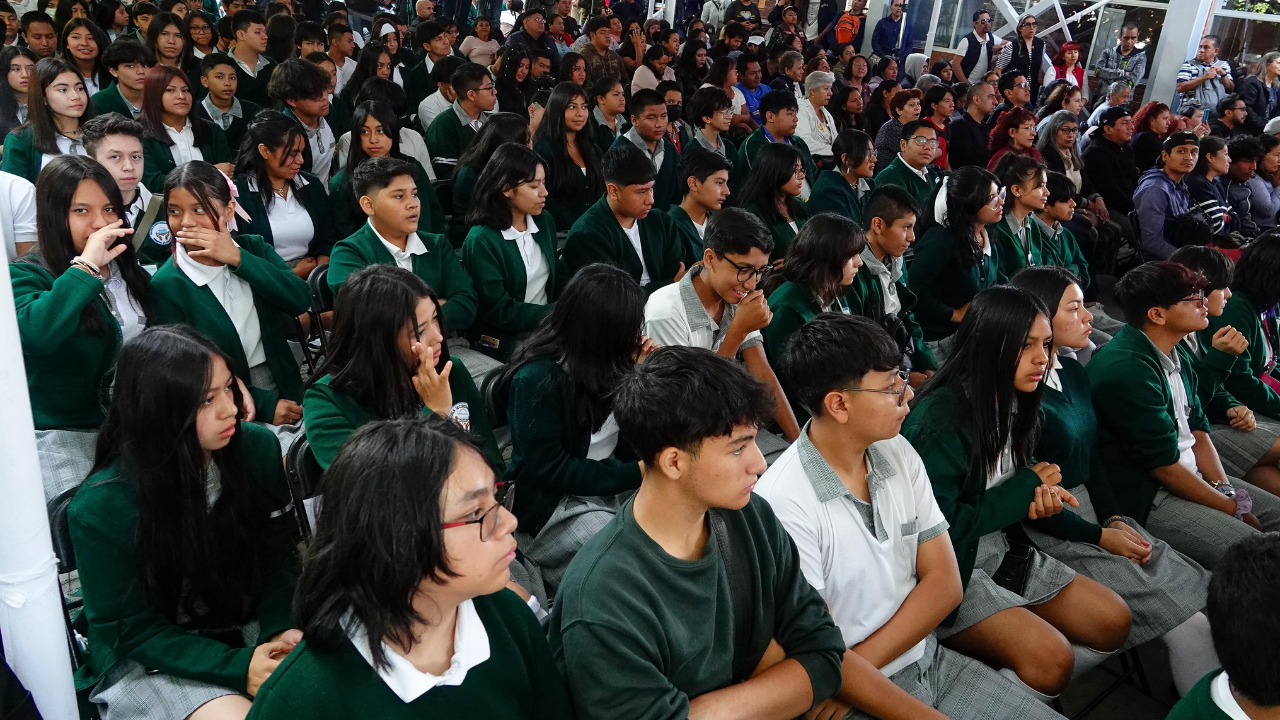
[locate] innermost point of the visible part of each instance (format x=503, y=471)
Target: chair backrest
x=60, y=528
x=303, y=474
x=321, y=294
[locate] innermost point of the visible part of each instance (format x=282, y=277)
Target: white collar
x=142, y=196
x=1051, y=378
x=199, y=274
x=414, y=245
x=298, y=181
x=1220, y=693
x=923, y=175
x=470, y=648
x=531, y=229
x=986, y=243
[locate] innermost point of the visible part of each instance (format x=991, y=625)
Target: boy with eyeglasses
x=453, y=130
x=911, y=170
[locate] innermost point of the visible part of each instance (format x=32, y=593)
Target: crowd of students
x=685, y=250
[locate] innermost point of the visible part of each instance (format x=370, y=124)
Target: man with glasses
x=1232, y=115
x=533, y=35
x=1124, y=61
x=977, y=49
x=893, y=36
x=911, y=169
x=1015, y=91
x=452, y=131
x=1162, y=195
x=1153, y=435
x=1205, y=78
x=719, y=305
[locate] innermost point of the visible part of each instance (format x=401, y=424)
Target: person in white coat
x=815, y=125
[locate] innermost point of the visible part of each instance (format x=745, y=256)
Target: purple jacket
x=1157, y=198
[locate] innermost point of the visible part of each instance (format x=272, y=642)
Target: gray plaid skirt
x=984, y=598
x=1241, y=450
x=129, y=691
x=66, y=457
x=1161, y=594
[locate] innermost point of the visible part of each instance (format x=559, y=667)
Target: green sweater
x=314, y=200
x=464, y=183
x=69, y=370
x=446, y=138
x=1198, y=703
x=641, y=633
x=332, y=415
x=793, y=304
x=278, y=295
x=123, y=624
x=549, y=447
x=519, y=681
x=752, y=145
x=939, y=428
x=1012, y=253
x=254, y=88
x=496, y=267
x=1137, y=425
x=866, y=297
x=159, y=161
x=1212, y=367
x=21, y=157
x=418, y=85
x=900, y=174
x=605, y=137
x=1061, y=249
x=1245, y=380
x=438, y=266
x=598, y=238
x=666, y=186
x=109, y=100
x=566, y=209
x=779, y=227
x=832, y=193
x=347, y=216
x=688, y=233
x=942, y=285
x=339, y=117
x=239, y=125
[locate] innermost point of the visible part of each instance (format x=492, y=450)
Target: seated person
x=452, y=132
x=388, y=358
x=855, y=498
x=1162, y=196
x=555, y=392
x=772, y=192
x=649, y=133
x=510, y=252
x=710, y=110
x=185, y=516
x=249, y=29
x=443, y=97
x=620, y=230
x=435, y=600
x=1110, y=165
x=1242, y=601
x=574, y=177
x=115, y=142
x=644, y=623
x=301, y=89
x=1059, y=246
x=172, y=135
x=127, y=61
x=878, y=289
x=912, y=169
x=1153, y=436
x=221, y=106
x=1163, y=588
x=844, y=188
x=1206, y=188
x=1019, y=240
x=18, y=215
x=387, y=189
x=705, y=181
x=236, y=292
x=969, y=427
x=608, y=112
x=1246, y=153
x=778, y=110
x=56, y=106
x=501, y=128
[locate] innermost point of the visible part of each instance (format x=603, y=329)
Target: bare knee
x=1110, y=622
x=1046, y=664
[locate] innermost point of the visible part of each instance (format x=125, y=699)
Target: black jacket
x=1256, y=98
x=1053, y=161
x=969, y=143
x=1146, y=148
x=1113, y=171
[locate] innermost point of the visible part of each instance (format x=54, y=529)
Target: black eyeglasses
x=746, y=272
x=901, y=391
x=488, y=522
x=1197, y=299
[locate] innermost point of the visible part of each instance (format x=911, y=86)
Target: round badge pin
x=160, y=233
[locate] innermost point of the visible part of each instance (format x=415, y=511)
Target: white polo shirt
x=235, y=296
x=17, y=212
x=860, y=557
x=536, y=269
x=403, y=258
x=674, y=315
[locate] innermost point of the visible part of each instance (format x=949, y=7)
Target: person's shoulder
x=105, y=493
x=1198, y=703
x=599, y=571
x=665, y=302
x=435, y=242
x=785, y=478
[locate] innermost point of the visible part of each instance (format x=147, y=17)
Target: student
x=854, y=497
x=620, y=230
x=387, y=191
x=386, y=91
x=128, y=62
x=844, y=188
x=18, y=64
x=510, y=251
x=954, y=258
x=339, y=117
x=1153, y=436
x=201, y=30
x=389, y=358
x=772, y=192
x=435, y=601
x=710, y=110
x=655, y=577
x=648, y=133
x=220, y=105
x=56, y=106
x=302, y=89
x=186, y=515
x=975, y=425
x=879, y=291
x=167, y=39
x=78, y=295
x=173, y=137
x=287, y=208
x=1019, y=242
x=373, y=61
x=115, y=142
x=911, y=169
x=501, y=128
x=253, y=69
x=80, y=43
x=452, y=132
x=564, y=142
x=608, y=112
x=442, y=98
x=1164, y=590
x=1059, y=246
x=432, y=44
x=310, y=37
x=779, y=120
x=38, y=33
x=705, y=176
x=378, y=137
x=556, y=390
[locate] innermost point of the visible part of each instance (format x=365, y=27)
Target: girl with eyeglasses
x=172, y=135
x=710, y=110
x=772, y=193
x=976, y=424
x=56, y=106
x=203, y=33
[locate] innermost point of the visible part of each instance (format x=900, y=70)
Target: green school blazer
x=347, y=217
x=566, y=209
x=464, y=183
x=666, y=186
x=1014, y=254
x=314, y=200
x=1061, y=249
x=1137, y=422
x=125, y=625
x=1212, y=367
x=941, y=284
x=69, y=370
x=109, y=100
x=21, y=157
x=332, y=415
x=278, y=295
x=866, y=297
x=1245, y=380
x=438, y=267
x=688, y=233
x=496, y=267
x=605, y=136
x=446, y=138
x=779, y=228
x=757, y=140
x=832, y=193
x=159, y=161
x=339, y=117
x=900, y=174
x=793, y=304
x=254, y=88
x=597, y=237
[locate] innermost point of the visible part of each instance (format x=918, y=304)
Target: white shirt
x=702, y=229
x=291, y=226
x=323, y=146
x=17, y=213
x=126, y=310
x=536, y=269
x=235, y=296
x=888, y=276
x=674, y=315
x=979, y=67
x=633, y=234
x=67, y=146
x=91, y=85
x=817, y=131
x=403, y=258
x=860, y=557
x=433, y=105
x=604, y=440
x=345, y=71
x=411, y=145
x=184, y=148
x=1220, y=694
x=1181, y=412
x=470, y=648
x=139, y=205
x=258, y=66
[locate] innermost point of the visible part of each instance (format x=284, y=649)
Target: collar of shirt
x=1019, y=229
x=69, y=146
x=466, y=120
x=768, y=136
x=1220, y=694
x=1053, y=230
x=700, y=138
x=220, y=116
x=470, y=648
x=828, y=486
x=133, y=109
x=298, y=182
x=654, y=155
x=199, y=274
x=257, y=68
x=694, y=311
x=139, y=204
x=522, y=238
x=924, y=175
x=1168, y=361
x=617, y=122
x=1052, y=379
x=986, y=243
x=413, y=247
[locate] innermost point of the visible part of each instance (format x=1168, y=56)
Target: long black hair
x=56, y=186
x=968, y=190
x=159, y=22
x=274, y=130
x=44, y=129
x=197, y=561
x=510, y=166
x=1257, y=272
x=817, y=256
x=383, y=113
x=562, y=174
x=9, y=101
x=281, y=29
x=375, y=305
x=100, y=73
x=854, y=144
x=62, y=15
x=503, y=127
x=366, y=67
x=981, y=368
x=773, y=167
x=593, y=332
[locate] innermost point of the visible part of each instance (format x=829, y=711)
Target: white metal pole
x=35, y=639
x=933, y=32
x=1178, y=41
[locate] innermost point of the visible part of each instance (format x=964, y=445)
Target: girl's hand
x=287, y=412
x=1049, y=501
x=266, y=658
x=1120, y=539
x=1229, y=340
x=1049, y=473
x=432, y=386
x=212, y=244
x=101, y=247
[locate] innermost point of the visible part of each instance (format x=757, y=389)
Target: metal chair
x=321, y=302
x=302, y=473
x=60, y=529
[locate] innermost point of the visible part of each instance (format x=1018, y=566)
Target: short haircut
x=975, y=90
x=775, y=101
x=7, y=8
x=700, y=163
x=1118, y=87
x=979, y=13
x=705, y=103
x=667, y=86
x=35, y=16
x=1241, y=607
x=831, y=352
x=318, y=58
x=427, y=31
x=296, y=79
x=1060, y=187
x=1217, y=41
x=94, y=131
x=734, y=231
x=468, y=77
x=902, y=97
x=245, y=18
x=215, y=59
x=1216, y=267
x=625, y=165
x=910, y=128
x=310, y=30
x=127, y=50
x=746, y=59
x=1226, y=103
x=377, y=173
x=1154, y=284
x=337, y=29
x=1245, y=148
x=645, y=98
x=789, y=59
x=1008, y=80
x=143, y=8
x=652, y=403
x=595, y=24
x=890, y=203
x=443, y=71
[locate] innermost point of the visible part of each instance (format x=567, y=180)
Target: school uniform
x=252, y=82
x=417, y=81
x=650, y=251
x=666, y=165
x=724, y=147
x=449, y=135
x=674, y=315
x=793, y=304
x=190, y=665
x=348, y=217
x=761, y=138
x=161, y=159
x=783, y=231
x=832, y=193
x=234, y=122
x=878, y=290
x=1058, y=247
x=244, y=311
x=566, y=209
x=464, y=183
x=1018, y=245
x=321, y=147
x=297, y=226
x=921, y=184
x=690, y=232
x=21, y=157
x=1239, y=450
x=606, y=136
x=339, y=117
x=517, y=278
x=500, y=667
x=941, y=285
x=1245, y=381
x=427, y=255
x=111, y=100
x=1209, y=699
